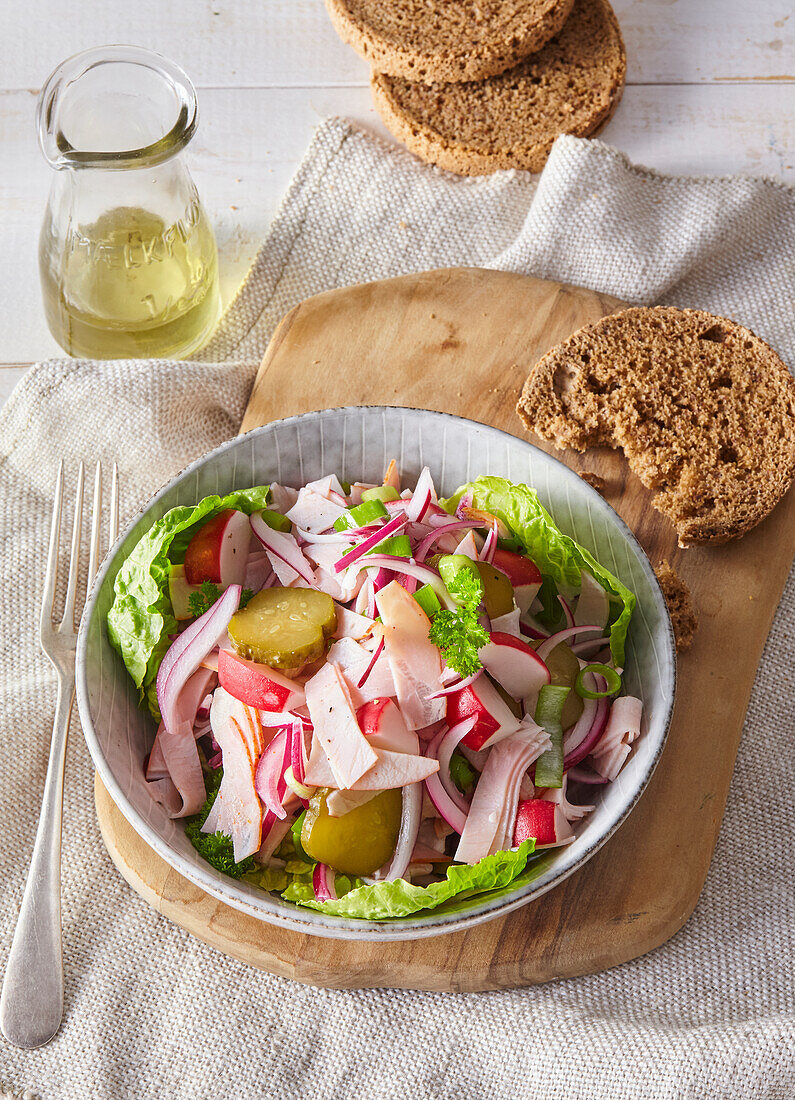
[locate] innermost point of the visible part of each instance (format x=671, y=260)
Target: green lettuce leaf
x=141, y=617
x=555, y=554
x=383, y=900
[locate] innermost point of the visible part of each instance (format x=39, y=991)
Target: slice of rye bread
x=571, y=86
x=702, y=408
x=430, y=40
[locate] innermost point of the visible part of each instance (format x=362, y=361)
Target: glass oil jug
x=127, y=257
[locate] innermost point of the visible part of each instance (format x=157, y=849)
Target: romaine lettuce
x=141, y=617
x=384, y=900
x=555, y=554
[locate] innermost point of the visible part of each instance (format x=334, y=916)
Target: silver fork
x=31, y=1005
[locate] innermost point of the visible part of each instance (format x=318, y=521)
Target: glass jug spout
x=127, y=257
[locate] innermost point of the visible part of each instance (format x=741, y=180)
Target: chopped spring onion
x=611, y=676
x=549, y=708
x=428, y=600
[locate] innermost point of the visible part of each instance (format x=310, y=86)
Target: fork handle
x=31, y=1005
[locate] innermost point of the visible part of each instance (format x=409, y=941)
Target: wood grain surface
x=462, y=341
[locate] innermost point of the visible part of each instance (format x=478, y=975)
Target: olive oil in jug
x=127, y=257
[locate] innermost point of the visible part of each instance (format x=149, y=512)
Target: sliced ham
x=490, y=821
x=415, y=661
x=339, y=803
x=313, y=512
x=237, y=810
x=332, y=714
x=351, y=625
x=468, y=547
x=390, y=769
x=353, y=660
x=614, y=746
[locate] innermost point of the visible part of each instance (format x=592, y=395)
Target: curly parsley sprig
x=458, y=634
x=208, y=593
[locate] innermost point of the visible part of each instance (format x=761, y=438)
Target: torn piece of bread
x=702, y=408
x=680, y=604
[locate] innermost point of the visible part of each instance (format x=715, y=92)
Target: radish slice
x=593, y=605
x=323, y=882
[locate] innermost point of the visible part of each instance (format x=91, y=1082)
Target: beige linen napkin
x=150, y=1011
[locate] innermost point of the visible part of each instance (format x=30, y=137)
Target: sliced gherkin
x=563, y=669
x=284, y=627
x=360, y=841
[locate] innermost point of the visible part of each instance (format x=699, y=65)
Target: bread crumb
x=680, y=605
x=596, y=481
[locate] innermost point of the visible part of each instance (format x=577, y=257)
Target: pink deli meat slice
x=237, y=810
x=336, y=730
x=415, y=661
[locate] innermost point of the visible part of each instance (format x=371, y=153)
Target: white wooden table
x=711, y=90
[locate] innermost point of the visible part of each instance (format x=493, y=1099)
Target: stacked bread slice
x=477, y=85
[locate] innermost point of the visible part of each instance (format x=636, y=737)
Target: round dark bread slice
x=446, y=40
x=702, y=408
x=571, y=86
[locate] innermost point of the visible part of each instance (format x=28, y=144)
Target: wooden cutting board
x=462, y=341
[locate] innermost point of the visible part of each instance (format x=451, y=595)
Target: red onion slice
x=450, y=689
x=410, y=821
x=567, y=612
x=423, y=573
x=282, y=546
x=190, y=648
x=421, y=552
x=591, y=738
x=443, y=753
x=269, y=778
x=390, y=528
x=549, y=644
x=366, y=674
x=490, y=545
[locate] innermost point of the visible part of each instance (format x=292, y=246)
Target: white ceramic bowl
x=356, y=443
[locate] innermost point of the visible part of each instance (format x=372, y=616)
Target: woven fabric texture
x=150, y=1011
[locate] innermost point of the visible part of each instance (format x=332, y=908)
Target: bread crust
x=680, y=605
x=572, y=86
x=483, y=38
x=703, y=409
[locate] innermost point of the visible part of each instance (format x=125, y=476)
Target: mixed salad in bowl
x=371, y=700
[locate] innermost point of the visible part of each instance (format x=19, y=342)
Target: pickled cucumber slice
x=284, y=627
x=563, y=669
x=360, y=841
x=497, y=589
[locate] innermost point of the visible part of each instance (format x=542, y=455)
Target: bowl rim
x=314, y=922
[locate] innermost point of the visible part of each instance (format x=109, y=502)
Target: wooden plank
x=250, y=142
x=452, y=343
x=234, y=43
